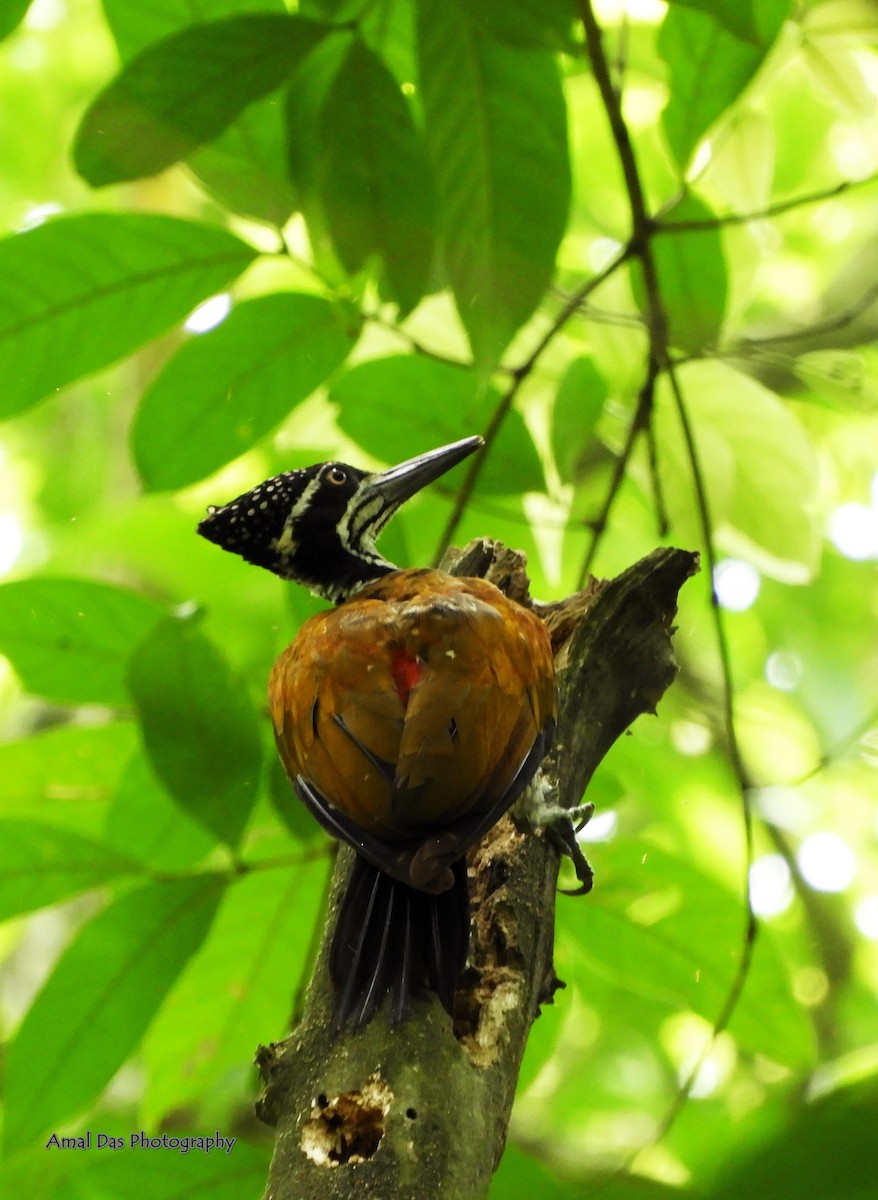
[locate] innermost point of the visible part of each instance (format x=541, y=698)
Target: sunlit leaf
x=183, y=91
x=376, y=185
x=759, y=467
x=99, y=1000
x=143, y=816
x=710, y=64
x=199, y=727
x=520, y=1175
x=399, y=406
x=65, y=776
x=70, y=639
x=664, y=930
x=742, y=162
x=579, y=403
x=227, y=388
x=78, y=293
x=840, y=378
x=496, y=128
x=249, y=967
x=749, y=20
x=692, y=277
x=40, y=865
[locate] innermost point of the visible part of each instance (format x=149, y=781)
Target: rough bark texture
x=421, y=1111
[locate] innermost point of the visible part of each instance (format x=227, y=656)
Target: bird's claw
x=562, y=825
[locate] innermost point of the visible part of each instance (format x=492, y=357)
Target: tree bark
x=421, y=1111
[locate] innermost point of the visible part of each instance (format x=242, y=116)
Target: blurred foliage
x=409, y=222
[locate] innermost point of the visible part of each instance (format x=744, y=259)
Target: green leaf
x=248, y=969
x=40, y=865
x=64, y=776
x=296, y=818
x=100, y=998
x=692, y=275
x=11, y=15
x=199, y=728
x=136, y=26
x=840, y=379
x=397, y=407
x=750, y=20
x=70, y=639
x=579, y=403
x=829, y=1149
x=226, y=389
x=78, y=293
x=759, y=465
x=710, y=64
x=496, y=128
x=663, y=930
x=185, y=90
x=245, y=166
x=171, y=1175
x=375, y=183
x=143, y=815
x=335, y=10
x=546, y=23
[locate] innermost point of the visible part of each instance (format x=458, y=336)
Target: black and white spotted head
x=318, y=526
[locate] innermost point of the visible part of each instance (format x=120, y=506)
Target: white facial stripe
x=285, y=543
x=353, y=529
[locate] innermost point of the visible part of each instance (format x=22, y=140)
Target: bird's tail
x=393, y=938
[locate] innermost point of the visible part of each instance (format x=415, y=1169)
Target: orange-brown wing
x=336, y=671
x=415, y=703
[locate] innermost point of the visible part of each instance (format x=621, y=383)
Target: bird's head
x=318, y=525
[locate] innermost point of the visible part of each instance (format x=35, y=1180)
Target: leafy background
x=358, y=230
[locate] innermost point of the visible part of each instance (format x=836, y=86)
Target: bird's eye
x=337, y=476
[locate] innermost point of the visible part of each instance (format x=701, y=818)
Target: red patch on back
x=406, y=670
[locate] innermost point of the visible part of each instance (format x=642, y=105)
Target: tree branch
x=422, y=1110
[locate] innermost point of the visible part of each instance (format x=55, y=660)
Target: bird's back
x=415, y=702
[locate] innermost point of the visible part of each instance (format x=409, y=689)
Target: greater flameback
x=409, y=718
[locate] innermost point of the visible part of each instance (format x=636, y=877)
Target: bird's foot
x=562, y=825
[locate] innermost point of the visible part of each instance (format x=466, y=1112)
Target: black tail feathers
x=392, y=938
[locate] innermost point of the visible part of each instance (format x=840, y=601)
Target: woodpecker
x=409, y=717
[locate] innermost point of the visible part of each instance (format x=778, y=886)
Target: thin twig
x=519, y=375
x=763, y=214
x=417, y=347
x=830, y=325
x=641, y=231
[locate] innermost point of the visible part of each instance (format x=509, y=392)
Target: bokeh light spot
x=853, y=530
x=11, y=541
x=736, y=584
x=209, y=314
x=866, y=917
x=827, y=862
x=783, y=670
x=771, y=886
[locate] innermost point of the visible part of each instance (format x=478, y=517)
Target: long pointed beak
x=401, y=482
